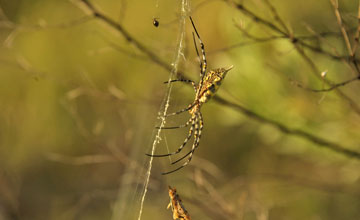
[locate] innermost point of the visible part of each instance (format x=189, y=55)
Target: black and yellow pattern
x=212, y=82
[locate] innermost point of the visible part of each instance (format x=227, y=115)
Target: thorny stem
x=308, y=136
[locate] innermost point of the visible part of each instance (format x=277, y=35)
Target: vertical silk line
x=157, y=139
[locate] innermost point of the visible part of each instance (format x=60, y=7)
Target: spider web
x=120, y=208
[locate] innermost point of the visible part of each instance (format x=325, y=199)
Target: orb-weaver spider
x=208, y=85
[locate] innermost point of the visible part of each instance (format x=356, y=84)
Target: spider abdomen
x=209, y=91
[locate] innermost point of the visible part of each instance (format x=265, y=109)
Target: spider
x=204, y=90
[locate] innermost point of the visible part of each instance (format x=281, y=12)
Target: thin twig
x=42, y=25
x=296, y=42
x=320, y=141
x=315, y=71
x=333, y=86
x=273, y=27
x=357, y=34
x=128, y=37
x=298, y=84
x=351, y=52
x=293, y=39
x=255, y=38
x=271, y=38
x=335, y=4
x=345, y=61
x=277, y=16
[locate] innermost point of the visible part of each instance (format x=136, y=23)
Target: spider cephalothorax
x=212, y=81
x=204, y=90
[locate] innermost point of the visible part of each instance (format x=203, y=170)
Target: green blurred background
x=79, y=104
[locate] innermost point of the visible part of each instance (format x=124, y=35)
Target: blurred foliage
x=79, y=103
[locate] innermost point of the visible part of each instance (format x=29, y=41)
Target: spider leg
x=183, y=80
x=197, y=53
x=195, y=145
x=203, y=63
x=175, y=127
x=196, y=141
x=191, y=131
x=180, y=80
x=182, y=110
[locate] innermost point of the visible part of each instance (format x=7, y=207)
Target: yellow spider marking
x=212, y=81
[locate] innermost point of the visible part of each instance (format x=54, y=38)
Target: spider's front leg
x=183, y=80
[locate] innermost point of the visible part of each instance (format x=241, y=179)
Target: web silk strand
x=157, y=139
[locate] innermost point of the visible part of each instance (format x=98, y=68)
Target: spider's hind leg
x=191, y=131
x=182, y=110
x=175, y=127
x=197, y=135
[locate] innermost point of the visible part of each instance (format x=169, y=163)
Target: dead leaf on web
x=177, y=207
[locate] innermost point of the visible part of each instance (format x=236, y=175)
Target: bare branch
x=357, y=34
x=297, y=42
x=335, y=4
x=277, y=16
x=336, y=57
x=81, y=160
x=323, y=39
x=317, y=140
x=351, y=52
x=289, y=36
x=128, y=37
x=315, y=71
x=298, y=84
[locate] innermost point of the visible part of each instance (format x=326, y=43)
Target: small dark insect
x=156, y=22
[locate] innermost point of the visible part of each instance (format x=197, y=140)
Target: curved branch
x=128, y=37
x=334, y=86
x=317, y=140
